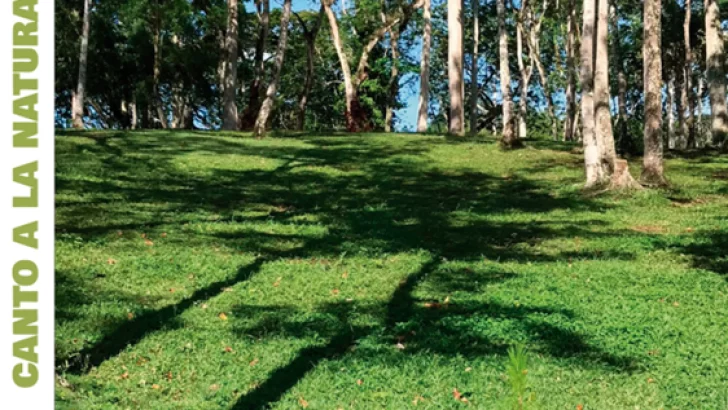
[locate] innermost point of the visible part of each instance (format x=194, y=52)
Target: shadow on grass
x=371, y=197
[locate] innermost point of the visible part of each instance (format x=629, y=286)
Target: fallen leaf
x=400, y=346
x=418, y=399
x=227, y=290
x=171, y=290
x=130, y=316
x=148, y=242
x=302, y=402
x=191, y=276
x=125, y=375
x=155, y=386
x=164, y=234
x=222, y=316
x=432, y=305
x=169, y=375
x=676, y=304
x=204, y=305
x=111, y=261
x=334, y=292
x=277, y=282
x=120, y=233
x=456, y=394
x=468, y=369
x=214, y=387
x=650, y=380
x=579, y=407
x=254, y=362
x=345, y=275
x=359, y=382
x=228, y=349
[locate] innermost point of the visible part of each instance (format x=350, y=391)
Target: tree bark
x=653, y=173
x=78, y=100
x=570, y=120
x=156, y=92
x=688, y=99
x=455, y=66
x=230, y=76
x=592, y=147
x=603, y=116
x=310, y=36
x=249, y=115
x=509, y=139
x=524, y=71
x=474, y=88
x=621, y=80
x=261, y=123
x=671, y=137
x=425, y=70
x=715, y=63
x=704, y=139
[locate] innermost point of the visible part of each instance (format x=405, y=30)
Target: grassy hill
x=199, y=271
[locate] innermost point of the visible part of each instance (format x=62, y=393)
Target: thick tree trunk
x=570, y=119
x=603, y=116
x=249, y=115
x=77, y=103
x=715, y=63
x=424, y=70
x=592, y=147
x=653, y=173
x=156, y=92
x=261, y=123
x=474, y=88
x=509, y=139
x=230, y=76
x=455, y=66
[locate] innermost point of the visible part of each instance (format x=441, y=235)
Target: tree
x=509, y=139
x=603, y=117
x=261, y=123
x=653, y=173
x=474, y=88
x=522, y=25
x=715, y=63
x=455, y=66
x=424, y=70
x=570, y=118
x=250, y=113
x=80, y=95
x=310, y=37
x=688, y=102
x=157, y=70
x=592, y=146
x=230, y=72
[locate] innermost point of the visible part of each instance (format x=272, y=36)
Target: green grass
x=380, y=272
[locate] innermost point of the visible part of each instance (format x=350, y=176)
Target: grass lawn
x=205, y=271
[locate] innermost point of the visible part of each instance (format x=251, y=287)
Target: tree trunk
x=261, y=123
x=603, y=116
x=455, y=65
x=592, y=147
x=474, y=88
x=671, y=137
x=653, y=173
x=230, y=77
x=509, y=139
x=704, y=139
x=310, y=36
x=425, y=70
x=78, y=101
x=715, y=63
x=525, y=72
x=621, y=81
x=688, y=99
x=156, y=92
x=393, y=85
x=570, y=120
x=133, y=113
x=249, y=115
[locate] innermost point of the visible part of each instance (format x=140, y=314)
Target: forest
x=365, y=204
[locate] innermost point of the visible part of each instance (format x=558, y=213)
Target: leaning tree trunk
x=78, y=100
x=474, y=72
x=455, y=65
x=570, y=119
x=230, y=71
x=603, y=116
x=424, y=70
x=592, y=147
x=248, y=116
x=261, y=123
x=653, y=173
x=509, y=138
x=715, y=62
